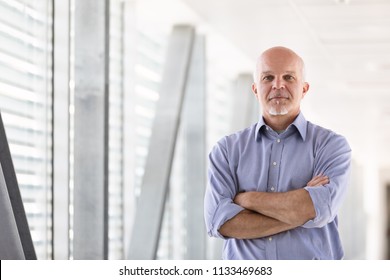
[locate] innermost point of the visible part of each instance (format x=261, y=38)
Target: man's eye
x=288, y=78
x=268, y=78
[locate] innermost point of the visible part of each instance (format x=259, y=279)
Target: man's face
x=280, y=86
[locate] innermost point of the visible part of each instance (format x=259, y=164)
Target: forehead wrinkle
x=273, y=73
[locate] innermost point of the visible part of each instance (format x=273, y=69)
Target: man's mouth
x=277, y=97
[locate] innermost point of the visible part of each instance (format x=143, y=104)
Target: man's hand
x=318, y=180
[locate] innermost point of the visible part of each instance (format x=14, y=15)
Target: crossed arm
x=270, y=213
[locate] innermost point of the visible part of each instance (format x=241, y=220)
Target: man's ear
x=306, y=87
x=254, y=89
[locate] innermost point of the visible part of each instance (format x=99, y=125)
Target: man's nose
x=278, y=84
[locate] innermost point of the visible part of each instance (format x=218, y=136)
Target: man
x=275, y=188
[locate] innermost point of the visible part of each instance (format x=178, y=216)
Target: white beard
x=278, y=110
x=283, y=111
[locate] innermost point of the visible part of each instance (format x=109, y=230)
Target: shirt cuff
x=321, y=199
x=226, y=210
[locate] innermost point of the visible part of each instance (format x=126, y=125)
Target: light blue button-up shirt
x=259, y=159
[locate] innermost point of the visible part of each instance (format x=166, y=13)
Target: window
x=26, y=107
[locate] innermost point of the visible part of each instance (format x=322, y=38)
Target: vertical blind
x=115, y=165
x=26, y=107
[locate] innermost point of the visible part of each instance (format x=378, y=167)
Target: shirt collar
x=300, y=123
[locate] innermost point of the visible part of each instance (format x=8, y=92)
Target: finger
x=238, y=198
x=314, y=180
x=317, y=177
x=322, y=182
x=318, y=181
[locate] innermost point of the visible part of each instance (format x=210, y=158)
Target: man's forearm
x=248, y=225
x=293, y=207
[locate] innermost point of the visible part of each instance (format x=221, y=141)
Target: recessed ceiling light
x=345, y=2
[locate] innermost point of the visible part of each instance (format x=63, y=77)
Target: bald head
x=279, y=56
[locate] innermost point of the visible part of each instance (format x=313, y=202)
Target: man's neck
x=280, y=122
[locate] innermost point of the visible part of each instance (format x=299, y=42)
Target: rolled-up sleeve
x=333, y=159
x=221, y=190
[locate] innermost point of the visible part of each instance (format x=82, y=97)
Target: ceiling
x=346, y=48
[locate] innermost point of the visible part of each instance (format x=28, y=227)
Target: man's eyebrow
x=272, y=73
x=291, y=72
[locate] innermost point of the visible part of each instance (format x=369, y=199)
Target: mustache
x=278, y=94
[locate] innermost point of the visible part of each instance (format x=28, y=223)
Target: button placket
x=275, y=161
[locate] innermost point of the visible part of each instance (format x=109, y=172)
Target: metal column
x=194, y=123
x=91, y=129
x=150, y=206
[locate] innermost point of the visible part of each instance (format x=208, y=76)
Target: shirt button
x=278, y=140
x=272, y=188
x=274, y=163
x=270, y=238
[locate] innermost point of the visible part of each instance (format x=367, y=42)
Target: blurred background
x=112, y=106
